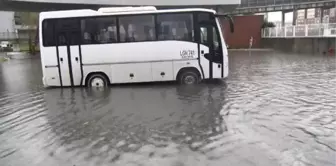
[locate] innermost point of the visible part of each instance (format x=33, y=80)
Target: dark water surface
x=275, y=109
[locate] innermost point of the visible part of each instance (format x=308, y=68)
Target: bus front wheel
x=97, y=80
x=189, y=77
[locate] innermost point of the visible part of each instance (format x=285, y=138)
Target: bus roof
x=90, y=12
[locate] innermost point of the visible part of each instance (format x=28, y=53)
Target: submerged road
x=274, y=109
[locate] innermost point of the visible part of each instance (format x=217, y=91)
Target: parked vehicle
x=6, y=46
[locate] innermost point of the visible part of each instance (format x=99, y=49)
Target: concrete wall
x=303, y=45
x=245, y=28
x=6, y=21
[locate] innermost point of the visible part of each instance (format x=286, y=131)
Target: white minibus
x=130, y=45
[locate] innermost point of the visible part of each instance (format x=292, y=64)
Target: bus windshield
x=204, y=37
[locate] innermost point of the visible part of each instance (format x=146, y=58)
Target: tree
x=29, y=20
x=267, y=24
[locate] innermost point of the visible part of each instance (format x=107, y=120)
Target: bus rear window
x=48, y=33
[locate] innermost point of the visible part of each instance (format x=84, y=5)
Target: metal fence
x=301, y=31
x=262, y=6
x=260, y=3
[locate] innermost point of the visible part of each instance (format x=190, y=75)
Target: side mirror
x=229, y=18
x=230, y=22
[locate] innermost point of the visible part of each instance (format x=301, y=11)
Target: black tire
x=189, y=77
x=97, y=80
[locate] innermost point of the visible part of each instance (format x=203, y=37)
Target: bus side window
x=87, y=37
x=61, y=40
x=99, y=30
x=175, y=27
x=149, y=33
x=122, y=33
x=215, y=39
x=203, y=22
x=204, y=35
x=137, y=28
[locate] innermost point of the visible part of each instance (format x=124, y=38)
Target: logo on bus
x=186, y=54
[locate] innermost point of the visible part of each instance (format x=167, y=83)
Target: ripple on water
x=276, y=109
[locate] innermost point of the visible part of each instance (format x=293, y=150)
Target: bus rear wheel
x=97, y=81
x=189, y=78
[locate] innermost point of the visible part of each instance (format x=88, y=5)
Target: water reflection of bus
x=138, y=114
x=128, y=45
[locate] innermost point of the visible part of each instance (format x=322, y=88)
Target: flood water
x=274, y=109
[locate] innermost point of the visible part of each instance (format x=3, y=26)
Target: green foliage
x=2, y=59
x=27, y=18
x=30, y=20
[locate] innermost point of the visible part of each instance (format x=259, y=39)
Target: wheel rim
x=189, y=80
x=97, y=82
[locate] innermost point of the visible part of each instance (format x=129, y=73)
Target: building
x=12, y=27
x=7, y=27
x=316, y=16
x=242, y=34
x=7, y=22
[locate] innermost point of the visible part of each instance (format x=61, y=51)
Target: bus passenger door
x=63, y=58
x=210, y=47
x=75, y=58
x=68, y=49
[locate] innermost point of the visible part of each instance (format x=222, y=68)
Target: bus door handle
x=76, y=59
x=61, y=59
x=202, y=52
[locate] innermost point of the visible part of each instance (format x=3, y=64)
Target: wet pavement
x=274, y=109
